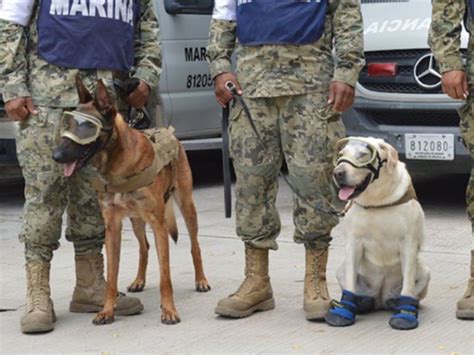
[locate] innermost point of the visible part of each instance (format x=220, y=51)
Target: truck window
x=195, y=7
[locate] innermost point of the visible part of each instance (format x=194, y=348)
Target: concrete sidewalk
x=281, y=330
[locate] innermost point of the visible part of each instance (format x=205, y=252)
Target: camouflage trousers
x=48, y=194
x=467, y=132
x=302, y=130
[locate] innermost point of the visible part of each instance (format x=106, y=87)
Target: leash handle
x=230, y=86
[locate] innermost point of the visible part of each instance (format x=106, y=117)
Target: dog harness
x=166, y=147
x=88, y=34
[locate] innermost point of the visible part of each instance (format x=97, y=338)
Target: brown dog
x=136, y=181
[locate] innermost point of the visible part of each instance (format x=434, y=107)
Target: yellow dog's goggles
x=367, y=158
x=81, y=127
x=360, y=158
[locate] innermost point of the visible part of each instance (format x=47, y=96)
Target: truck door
x=186, y=85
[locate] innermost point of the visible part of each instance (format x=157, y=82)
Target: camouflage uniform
x=445, y=41
x=47, y=192
x=286, y=89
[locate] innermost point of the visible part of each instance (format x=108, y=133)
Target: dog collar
x=409, y=195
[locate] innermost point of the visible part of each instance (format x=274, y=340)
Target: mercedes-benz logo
x=426, y=72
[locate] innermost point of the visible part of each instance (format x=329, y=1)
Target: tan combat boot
x=465, y=306
x=255, y=293
x=89, y=293
x=316, y=296
x=39, y=313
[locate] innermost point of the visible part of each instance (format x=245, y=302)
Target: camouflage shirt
x=24, y=73
x=283, y=69
x=445, y=33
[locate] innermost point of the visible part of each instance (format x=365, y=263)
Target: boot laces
x=99, y=268
x=39, y=292
x=319, y=270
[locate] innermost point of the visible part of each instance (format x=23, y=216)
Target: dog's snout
x=339, y=174
x=58, y=155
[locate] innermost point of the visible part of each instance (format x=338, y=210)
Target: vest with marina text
x=280, y=21
x=88, y=34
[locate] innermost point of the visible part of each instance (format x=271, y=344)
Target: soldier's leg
x=309, y=132
x=85, y=228
x=45, y=200
x=465, y=306
x=257, y=220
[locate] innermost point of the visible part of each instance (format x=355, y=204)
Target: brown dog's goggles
x=360, y=159
x=80, y=127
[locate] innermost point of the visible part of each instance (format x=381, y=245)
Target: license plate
x=429, y=146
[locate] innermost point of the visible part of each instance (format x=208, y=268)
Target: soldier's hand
x=139, y=96
x=455, y=84
x=341, y=96
x=20, y=108
x=223, y=96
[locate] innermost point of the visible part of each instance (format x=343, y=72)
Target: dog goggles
x=368, y=158
x=80, y=127
x=359, y=159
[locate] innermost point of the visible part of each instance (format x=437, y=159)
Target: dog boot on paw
x=342, y=313
x=405, y=316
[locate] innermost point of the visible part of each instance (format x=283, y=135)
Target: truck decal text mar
x=194, y=54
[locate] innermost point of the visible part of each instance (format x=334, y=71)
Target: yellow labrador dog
x=384, y=230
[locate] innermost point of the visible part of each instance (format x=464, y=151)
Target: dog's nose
x=58, y=155
x=339, y=174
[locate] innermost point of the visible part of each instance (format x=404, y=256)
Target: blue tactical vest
x=88, y=34
x=280, y=21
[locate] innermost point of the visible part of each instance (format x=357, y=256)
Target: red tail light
x=382, y=69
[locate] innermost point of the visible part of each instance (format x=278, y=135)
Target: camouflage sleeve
x=222, y=37
x=148, y=46
x=445, y=33
x=348, y=32
x=13, y=65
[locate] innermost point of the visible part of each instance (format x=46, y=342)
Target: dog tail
x=171, y=221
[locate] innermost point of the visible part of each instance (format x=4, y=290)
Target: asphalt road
x=284, y=329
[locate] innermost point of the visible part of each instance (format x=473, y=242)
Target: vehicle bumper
x=360, y=121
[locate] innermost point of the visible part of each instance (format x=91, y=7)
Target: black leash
x=233, y=90
x=226, y=162
x=137, y=118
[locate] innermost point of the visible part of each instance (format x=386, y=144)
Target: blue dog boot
x=405, y=316
x=342, y=314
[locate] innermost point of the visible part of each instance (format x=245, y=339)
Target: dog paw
x=203, y=286
x=102, y=318
x=169, y=317
x=405, y=316
x=136, y=286
x=403, y=324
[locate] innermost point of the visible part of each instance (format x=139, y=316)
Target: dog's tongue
x=346, y=192
x=69, y=168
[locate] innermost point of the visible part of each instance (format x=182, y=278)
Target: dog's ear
x=84, y=94
x=104, y=102
x=392, y=156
